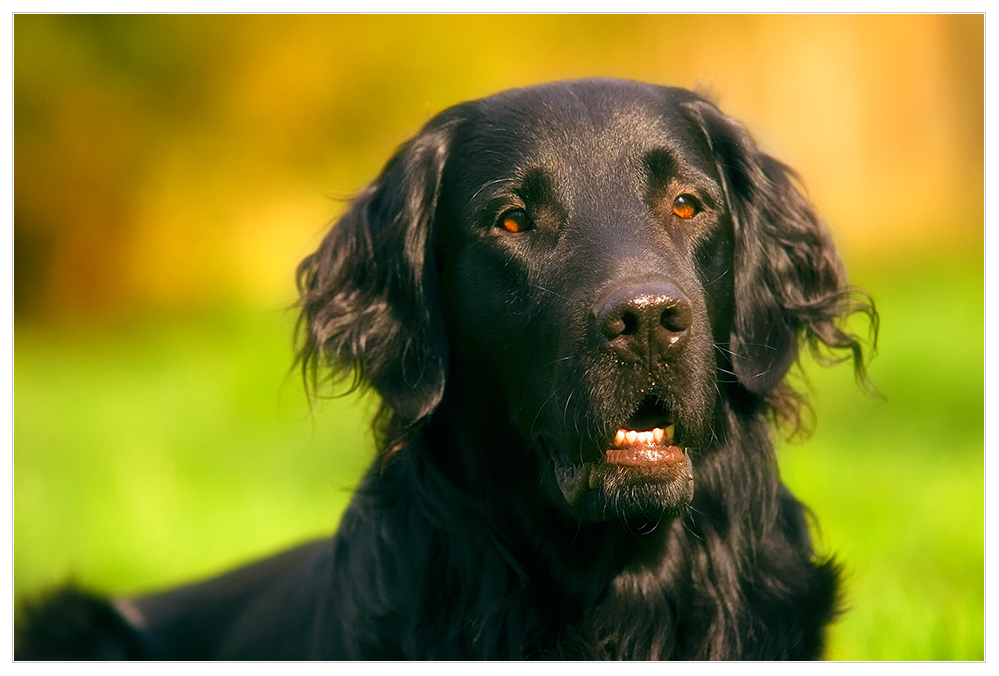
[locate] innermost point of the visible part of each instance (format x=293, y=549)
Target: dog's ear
x=789, y=280
x=368, y=295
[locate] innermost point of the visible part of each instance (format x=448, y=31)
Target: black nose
x=645, y=321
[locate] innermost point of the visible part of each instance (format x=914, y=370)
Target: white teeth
x=654, y=436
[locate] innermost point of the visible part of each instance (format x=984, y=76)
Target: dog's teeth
x=657, y=435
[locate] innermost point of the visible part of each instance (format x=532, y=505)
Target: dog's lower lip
x=644, y=456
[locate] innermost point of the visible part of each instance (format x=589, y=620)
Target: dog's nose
x=649, y=320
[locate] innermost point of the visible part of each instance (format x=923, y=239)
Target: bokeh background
x=171, y=171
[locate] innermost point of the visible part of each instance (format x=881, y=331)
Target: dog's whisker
x=541, y=288
x=565, y=409
x=724, y=350
x=717, y=279
x=498, y=181
x=541, y=410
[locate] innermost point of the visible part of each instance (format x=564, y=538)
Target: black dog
x=578, y=303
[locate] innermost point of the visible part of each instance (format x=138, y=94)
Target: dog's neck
x=487, y=462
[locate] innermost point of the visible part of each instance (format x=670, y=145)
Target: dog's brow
x=489, y=184
x=538, y=186
x=662, y=164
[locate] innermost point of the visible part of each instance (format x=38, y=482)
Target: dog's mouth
x=643, y=469
x=647, y=439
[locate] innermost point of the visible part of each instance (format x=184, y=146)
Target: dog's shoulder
x=72, y=624
x=266, y=610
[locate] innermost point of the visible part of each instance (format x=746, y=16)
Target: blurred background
x=171, y=171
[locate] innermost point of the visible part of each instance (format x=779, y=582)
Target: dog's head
x=579, y=274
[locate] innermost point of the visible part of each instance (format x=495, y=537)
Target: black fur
x=70, y=624
x=495, y=523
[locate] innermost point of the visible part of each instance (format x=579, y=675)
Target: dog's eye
x=686, y=206
x=515, y=220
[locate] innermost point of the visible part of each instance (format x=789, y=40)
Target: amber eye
x=686, y=206
x=515, y=220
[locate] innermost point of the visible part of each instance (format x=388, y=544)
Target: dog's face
x=584, y=247
x=584, y=271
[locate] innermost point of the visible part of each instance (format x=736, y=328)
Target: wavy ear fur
x=368, y=301
x=789, y=280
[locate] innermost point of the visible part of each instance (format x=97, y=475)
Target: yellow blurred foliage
x=169, y=162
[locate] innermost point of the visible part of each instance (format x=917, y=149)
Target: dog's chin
x=652, y=482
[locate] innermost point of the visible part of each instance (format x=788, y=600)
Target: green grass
x=898, y=484
x=166, y=450
x=152, y=454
